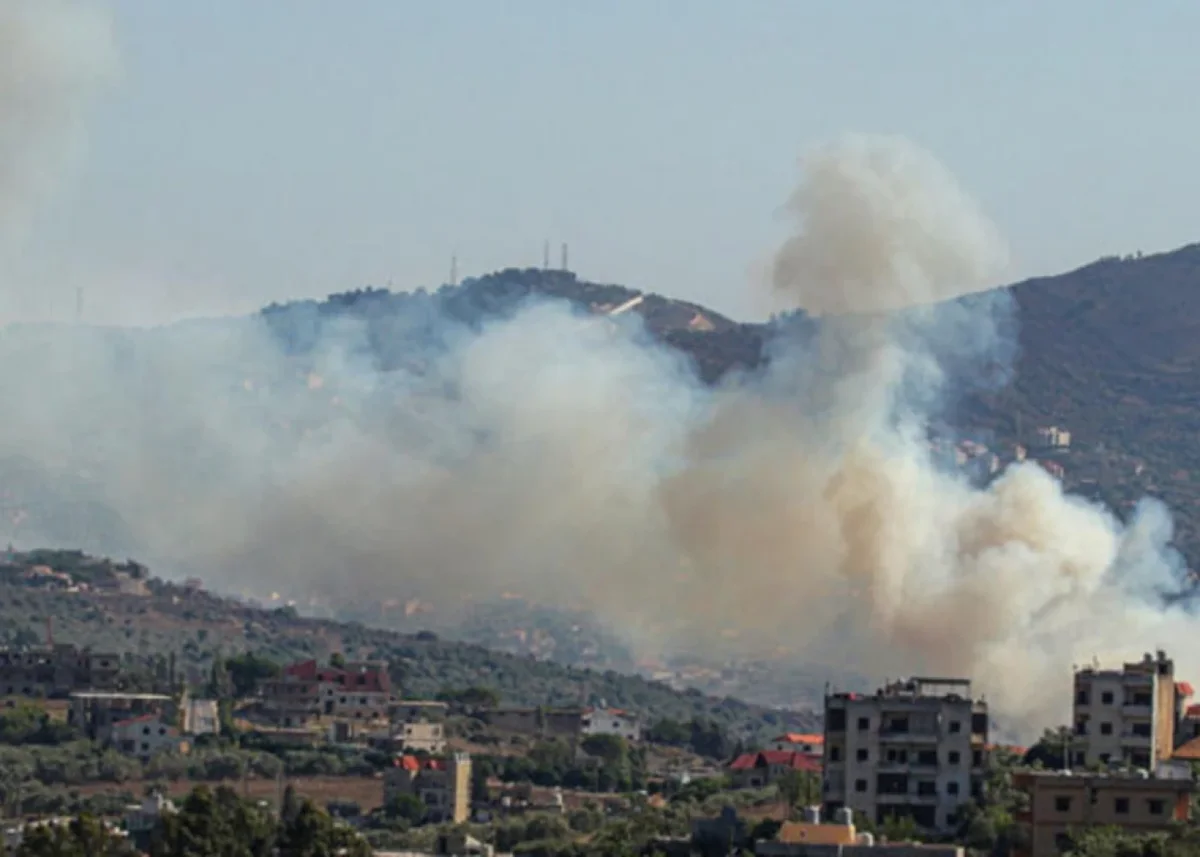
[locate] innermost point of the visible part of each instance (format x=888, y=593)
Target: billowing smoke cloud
x=566, y=457
x=56, y=53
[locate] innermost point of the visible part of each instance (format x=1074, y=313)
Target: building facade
x=1062, y=802
x=306, y=692
x=810, y=744
x=610, y=721
x=915, y=748
x=442, y=785
x=95, y=712
x=55, y=671
x=1126, y=716
x=144, y=737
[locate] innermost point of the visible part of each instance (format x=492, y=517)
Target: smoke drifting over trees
x=568, y=457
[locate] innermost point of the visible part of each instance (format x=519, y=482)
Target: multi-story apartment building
x=915, y=748
x=306, y=691
x=442, y=785
x=1063, y=802
x=1125, y=716
x=55, y=670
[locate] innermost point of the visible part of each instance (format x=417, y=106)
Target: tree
x=337, y=660
x=314, y=833
x=247, y=670
x=85, y=836
x=215, y=823
x=670, y=732
x=407, y=807
x=611, y=748
x=795, y=786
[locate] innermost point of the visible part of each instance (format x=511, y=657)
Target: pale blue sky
x=263, y=149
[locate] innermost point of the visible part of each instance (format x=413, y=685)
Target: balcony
x=888, y=736
x=1138, y=710
x=1128, y=740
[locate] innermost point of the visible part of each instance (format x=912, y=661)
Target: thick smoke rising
x=566, y=457
x=56, y=53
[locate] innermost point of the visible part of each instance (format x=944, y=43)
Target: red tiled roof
x=1184, y=689
x=412, y=763
x=142, y=718
x=767, y=758
x=800, y=738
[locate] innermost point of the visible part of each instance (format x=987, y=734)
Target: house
x=142, y=819
x=306, y=691
x=1125, y=716
x=814, y=838
x=610, y=721
x=757, y=770
x=808, y=743
x=442, y=785
x=95, y=712
x=421, y=738
x=145, y=737
x=1062, y=801
x=417, y=711
x=914, y=748
x=56, y=670
x=201, y=717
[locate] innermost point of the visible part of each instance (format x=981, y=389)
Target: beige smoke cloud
x=566, y=458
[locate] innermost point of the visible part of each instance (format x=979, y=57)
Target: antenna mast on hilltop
x=564, y=256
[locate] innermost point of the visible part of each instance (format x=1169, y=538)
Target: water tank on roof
x=865, y=839
x=843, y=816
x=812, y=814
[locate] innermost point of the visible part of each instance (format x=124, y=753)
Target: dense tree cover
x=247, y=670
x=83, y=836
x=28, y=724
x=619, y=768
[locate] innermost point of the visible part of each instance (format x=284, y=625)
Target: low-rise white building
x=610, y=721
x=144, y=737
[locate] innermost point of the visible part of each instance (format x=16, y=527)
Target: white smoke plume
x=55, y=56
x=576, y=462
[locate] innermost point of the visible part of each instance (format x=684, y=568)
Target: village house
x=307, y=691
x=95, y=712
x=1062, y=802
x=55, y=671
x=610, y=721
x=764, y=768
x=145, y=737
x=442, y=785
x=417, y=711
x=420, y=738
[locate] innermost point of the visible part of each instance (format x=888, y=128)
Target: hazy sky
x=262, y=150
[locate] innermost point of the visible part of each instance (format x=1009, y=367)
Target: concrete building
x=442, y=785
x=1062, y=802
x=417, y=711
x=1126, y=716
x=201, y=717
x=145, y=737
x=55, y=671
x=96, y=712
x=421, y=738
x=543, y=722
x=610, y=721
x=306, y=691
x=915, y=748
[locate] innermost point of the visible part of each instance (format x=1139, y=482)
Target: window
x=1104, y=757
x=976, y=758
x=1156, y=806
x=860, y=785
x=953, y=757
x=955, y=727
x=145, y=730
x=1106, y=698
x=1062, y=804
x=861, y=755
x=1121, y=806
x=1062, y=842
x=951, y=788
x=864, y=723
x=1080, y=758
x=1081, y=697
x=835, y=754
x=1105, y=728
